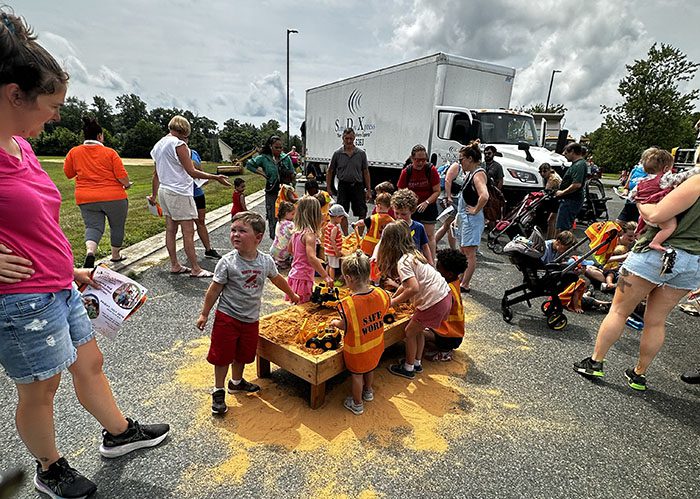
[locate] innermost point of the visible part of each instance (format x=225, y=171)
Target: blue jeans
x=647, y=265
x=568, y=209
x=40, y=333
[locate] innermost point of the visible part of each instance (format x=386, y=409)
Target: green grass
x=140, y=224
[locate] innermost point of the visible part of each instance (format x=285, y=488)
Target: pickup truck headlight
x=524, y=177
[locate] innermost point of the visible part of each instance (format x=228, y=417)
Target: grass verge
x=140, y=224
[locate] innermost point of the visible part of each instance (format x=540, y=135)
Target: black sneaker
x=400, y=370
x=691, y=377
x=212, y=253
x=243, y=386
x=135, y=437
x=218, y=402
x=668, y=261
x=416, y=369
x=636, y=381
x=89, y=262
x=62, y=481
x=589, y=367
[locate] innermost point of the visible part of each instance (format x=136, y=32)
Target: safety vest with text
x=363, y=343
x=374, y=233
x=453, y=326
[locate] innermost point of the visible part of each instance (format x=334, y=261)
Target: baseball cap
x=337, y=210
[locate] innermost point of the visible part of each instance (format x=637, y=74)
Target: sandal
x=465, y=290
x=116, y=260
x=689, y=309
x=183, y=270
x=203, y=273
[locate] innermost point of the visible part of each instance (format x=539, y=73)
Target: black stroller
x=546, y=280
x=595, y=202
x=530, y=213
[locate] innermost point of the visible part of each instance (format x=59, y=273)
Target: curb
x=151, y=252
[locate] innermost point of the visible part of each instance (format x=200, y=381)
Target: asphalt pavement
x=507, y=418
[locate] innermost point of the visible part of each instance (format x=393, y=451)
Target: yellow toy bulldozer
x=321, y=294
x=326, y=338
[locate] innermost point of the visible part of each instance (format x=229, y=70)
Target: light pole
x=546, y=106
x=289, y=139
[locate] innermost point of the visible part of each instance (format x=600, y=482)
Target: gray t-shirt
x=349, y=168
x=494, y=171
x=243, y=282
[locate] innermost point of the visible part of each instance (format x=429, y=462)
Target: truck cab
x=512, y=133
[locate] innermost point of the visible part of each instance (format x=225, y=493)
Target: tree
x=72, y=113
x=539, y=108
x=240, y=137
x=654, y=111
x=139, y=140
x=56, y=143
x=103, y=111
x=131, y=110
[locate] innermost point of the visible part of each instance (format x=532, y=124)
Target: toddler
x=283, y=234
x=362, y=318
x=307, y=228
x=333, y=241
x=237, y=284
x=238, y=197
x=449, y=334
x=419, y=283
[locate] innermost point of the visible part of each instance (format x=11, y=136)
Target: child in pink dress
x=307, y=228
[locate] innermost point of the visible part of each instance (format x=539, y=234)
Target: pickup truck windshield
x=506, y=128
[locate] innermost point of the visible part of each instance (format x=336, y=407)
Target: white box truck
x=441, y=101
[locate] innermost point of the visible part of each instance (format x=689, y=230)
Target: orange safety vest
x=363, y=343
x=286, y=194
x=379, y=221
x=453, y=326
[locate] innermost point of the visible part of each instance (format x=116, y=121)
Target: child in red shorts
x=237, y=284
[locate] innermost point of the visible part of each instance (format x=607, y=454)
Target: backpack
x=428, y=170
x=442, y=171
x=493, y=210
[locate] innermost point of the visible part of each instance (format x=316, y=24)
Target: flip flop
x=120, y=259
x=203, y=273
x=183, y=270
x=689, y=309
x=465, y=290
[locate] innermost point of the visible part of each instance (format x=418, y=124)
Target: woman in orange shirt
x=100, y=190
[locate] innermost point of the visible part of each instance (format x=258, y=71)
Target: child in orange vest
x=362, y=319
x=448, y=336
x=419, y=283
x=375, y=223
x=333, y=241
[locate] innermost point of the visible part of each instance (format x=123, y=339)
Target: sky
x=227, y=59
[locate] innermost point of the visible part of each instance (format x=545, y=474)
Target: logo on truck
x=354, y=102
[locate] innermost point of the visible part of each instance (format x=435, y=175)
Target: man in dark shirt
x=570, y=193
x=350, y=165
x=493, y=168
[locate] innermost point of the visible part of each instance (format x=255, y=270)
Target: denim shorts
x=40, y=333
x=470, y=228
x=647, y=265
x=568, y=209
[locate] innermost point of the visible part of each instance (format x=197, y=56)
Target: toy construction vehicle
x=326, y=338
x=322, y=295
x=390, y=316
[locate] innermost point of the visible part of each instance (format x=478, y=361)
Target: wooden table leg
x=318, y=395
x=263, y=367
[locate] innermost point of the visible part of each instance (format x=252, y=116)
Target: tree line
x=131, y=129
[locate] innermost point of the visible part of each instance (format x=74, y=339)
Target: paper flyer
x=154, y=209
x=116, y=300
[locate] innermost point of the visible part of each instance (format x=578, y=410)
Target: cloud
x=589, y=42
x=268, y=98
x=65, y=52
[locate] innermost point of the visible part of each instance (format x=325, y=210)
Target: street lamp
x=546, y=106
x=289, y=140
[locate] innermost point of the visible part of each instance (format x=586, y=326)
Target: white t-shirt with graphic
x=243, y=282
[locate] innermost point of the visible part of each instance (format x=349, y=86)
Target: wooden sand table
x=281, y=344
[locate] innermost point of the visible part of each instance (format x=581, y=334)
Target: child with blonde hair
x=283, y=234
x=362, y=318
x=420, y=284
x=307, y=231
x=375, y=223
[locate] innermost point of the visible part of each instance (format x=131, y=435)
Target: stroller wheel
x=545, y=306
x=507, y=314
x=557, y=322
x=497, y=248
